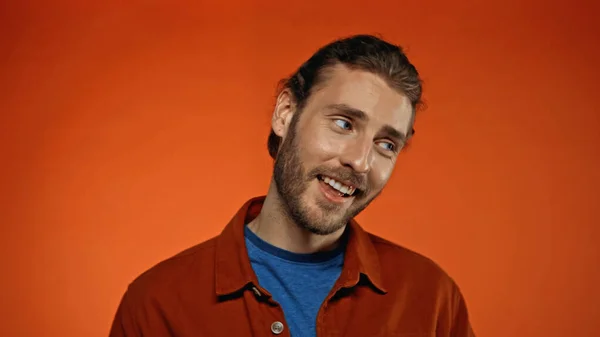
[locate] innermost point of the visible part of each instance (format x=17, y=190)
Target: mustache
x=343, y=174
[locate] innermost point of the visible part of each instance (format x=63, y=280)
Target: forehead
x=364, y=91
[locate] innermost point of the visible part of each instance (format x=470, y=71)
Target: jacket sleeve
x=461, y=326
x=124, y=323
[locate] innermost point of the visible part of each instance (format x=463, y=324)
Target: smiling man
x=295, y=262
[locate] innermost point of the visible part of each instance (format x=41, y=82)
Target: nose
x=359, y=156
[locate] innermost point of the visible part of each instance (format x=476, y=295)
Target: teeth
x=339, y=186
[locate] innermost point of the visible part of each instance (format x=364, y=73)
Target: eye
x=388, y=146
x=344, y=124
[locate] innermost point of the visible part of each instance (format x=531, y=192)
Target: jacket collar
x=234, y=271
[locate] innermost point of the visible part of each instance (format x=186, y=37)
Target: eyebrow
x=358, y=114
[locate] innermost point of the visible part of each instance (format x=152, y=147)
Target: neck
x=274, y=226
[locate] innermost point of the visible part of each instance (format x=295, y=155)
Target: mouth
x=338, y=188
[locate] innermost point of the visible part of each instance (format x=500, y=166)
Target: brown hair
x=364, y=52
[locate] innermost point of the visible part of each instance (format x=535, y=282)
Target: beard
x=292, y=181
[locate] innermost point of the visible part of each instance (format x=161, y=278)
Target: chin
x=318, y=219
x=322, y=225
x=322, y=231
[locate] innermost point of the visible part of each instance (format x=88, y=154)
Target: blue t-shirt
x=298, y=282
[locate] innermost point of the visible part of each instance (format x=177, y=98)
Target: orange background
x=130, y=132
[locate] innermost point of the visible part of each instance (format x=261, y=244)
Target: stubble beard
x=292, y=181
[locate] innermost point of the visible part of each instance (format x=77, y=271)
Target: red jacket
x=211, y=290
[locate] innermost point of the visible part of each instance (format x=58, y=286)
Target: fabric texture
x=211, y=289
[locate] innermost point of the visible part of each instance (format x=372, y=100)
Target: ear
x=284, y=111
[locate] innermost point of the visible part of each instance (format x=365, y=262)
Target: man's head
x=338, y=126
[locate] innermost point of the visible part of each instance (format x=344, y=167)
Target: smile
x=342, y=189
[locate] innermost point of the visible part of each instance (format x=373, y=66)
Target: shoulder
x=189, y=269
x=155, y=297
x=400, y=265
x=418, y=282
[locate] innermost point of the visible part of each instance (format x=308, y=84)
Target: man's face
x=339, y=152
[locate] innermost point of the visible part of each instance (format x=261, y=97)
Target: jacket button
x=277, y=327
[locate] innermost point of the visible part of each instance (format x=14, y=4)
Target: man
x=295, y=262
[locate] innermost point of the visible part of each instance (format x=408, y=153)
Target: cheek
x=381, y=173
x=322, y=145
